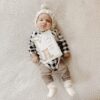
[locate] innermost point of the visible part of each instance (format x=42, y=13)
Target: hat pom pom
x=44, y=6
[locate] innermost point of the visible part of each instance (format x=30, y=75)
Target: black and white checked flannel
x=61, y=43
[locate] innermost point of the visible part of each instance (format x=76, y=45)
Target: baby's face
x=44, y=22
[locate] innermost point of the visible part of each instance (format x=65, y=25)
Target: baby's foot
x=52, y=90
x=69, y=88
x=70, y=91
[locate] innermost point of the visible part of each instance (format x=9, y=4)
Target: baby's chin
x=43, y=30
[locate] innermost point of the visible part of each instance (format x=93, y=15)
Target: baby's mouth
x=43, y=26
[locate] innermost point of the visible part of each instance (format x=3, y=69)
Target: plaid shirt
x=61, y=43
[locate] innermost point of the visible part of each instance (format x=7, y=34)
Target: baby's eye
x=48, y=21
x=41, y=19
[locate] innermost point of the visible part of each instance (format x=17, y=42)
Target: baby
x=50, y=50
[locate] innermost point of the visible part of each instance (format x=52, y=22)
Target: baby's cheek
x=38, y=25
x=49, y=25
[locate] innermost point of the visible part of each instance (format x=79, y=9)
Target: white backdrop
x=80, y=22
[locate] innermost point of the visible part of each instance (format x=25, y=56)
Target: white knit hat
x=46, y=10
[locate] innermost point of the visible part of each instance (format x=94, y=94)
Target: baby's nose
x=44, y=22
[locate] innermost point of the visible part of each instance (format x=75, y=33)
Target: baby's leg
x=65, y=75
x=64, y=71
x=46, y=74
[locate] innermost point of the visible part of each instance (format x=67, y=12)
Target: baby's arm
x=32, y=51
x=64, y=46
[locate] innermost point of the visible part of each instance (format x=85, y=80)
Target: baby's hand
x=67, y=55
x=35, y=58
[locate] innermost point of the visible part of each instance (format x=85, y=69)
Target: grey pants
x=46, y=72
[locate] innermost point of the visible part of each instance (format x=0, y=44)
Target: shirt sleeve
x=32, y=46
x=62, y=44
